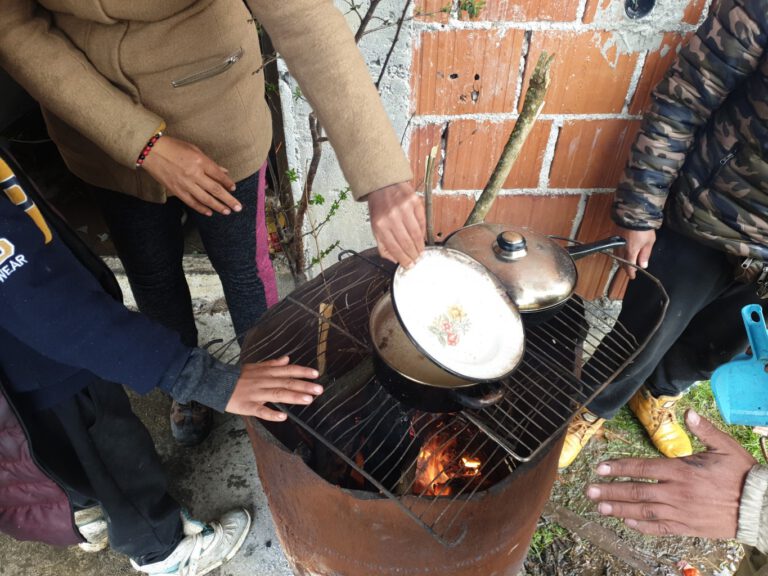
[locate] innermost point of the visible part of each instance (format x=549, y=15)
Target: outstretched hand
x=398, y=222
x=272, y=381
x=187, y=173
x=638, y=249
x=696, y=495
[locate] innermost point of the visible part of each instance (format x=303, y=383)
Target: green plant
x=471, y=7
x=546, y=533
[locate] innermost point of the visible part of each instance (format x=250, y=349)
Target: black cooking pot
x=538, y=274
x=413, y=378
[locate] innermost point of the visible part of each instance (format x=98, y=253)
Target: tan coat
x=104, y=73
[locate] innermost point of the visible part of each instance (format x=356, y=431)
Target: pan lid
x=537, y=272
x=459, y=315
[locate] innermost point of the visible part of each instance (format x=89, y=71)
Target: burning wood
x=439, y=465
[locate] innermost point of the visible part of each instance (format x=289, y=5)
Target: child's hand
x=272, y=381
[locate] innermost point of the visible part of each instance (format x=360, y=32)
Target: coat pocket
x=211, y=71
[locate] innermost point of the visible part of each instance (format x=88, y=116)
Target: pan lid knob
x=510, y=245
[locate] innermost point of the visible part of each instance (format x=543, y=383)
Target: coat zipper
x=222, y=66
x=722, y=163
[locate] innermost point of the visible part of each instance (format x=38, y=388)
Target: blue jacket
x=58, y=326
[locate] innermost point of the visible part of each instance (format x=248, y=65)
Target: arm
x=725, y=50
x=62, y=79
x=698, y=495
x=318, y=46
x=243, y=390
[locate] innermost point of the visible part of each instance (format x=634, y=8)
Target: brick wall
x=468, y=79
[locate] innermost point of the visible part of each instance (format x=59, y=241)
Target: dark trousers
x=100, y=453
x=702, y=327
x=754, y=563
x=150, y=243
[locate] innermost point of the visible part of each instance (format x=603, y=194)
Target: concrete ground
x=208, y=479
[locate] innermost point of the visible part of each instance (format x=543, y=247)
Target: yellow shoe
x=658, y=417
x=580, y=431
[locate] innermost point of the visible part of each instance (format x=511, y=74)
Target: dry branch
x=534, y=101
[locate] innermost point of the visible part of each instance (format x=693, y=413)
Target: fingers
x=208, y=200
x=644, y=255
x=217, y=192
x=281, y=361
x=663, y=528
x=641, y=511
x=261, y=411
x=192, y=202
x=398, y=222
x=661, y=469
x=286, y=392
x=627, y=492
x=630, y=253
x=708, y=433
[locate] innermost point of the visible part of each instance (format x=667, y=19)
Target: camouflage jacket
x=706, y=138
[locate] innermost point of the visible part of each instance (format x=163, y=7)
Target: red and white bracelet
x=148, y=149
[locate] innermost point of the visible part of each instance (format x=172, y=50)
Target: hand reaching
x=696, y=495
x=398, y=222
x=272, y=381
x=191, y=176
x=637, y=249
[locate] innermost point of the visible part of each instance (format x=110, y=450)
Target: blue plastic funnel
x=741, y=385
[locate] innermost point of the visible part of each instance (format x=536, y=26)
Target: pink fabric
x=263, y=262
x=32, y=506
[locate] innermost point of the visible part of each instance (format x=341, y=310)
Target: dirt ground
x=599, y=546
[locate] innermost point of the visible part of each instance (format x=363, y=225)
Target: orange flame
x=438, y=464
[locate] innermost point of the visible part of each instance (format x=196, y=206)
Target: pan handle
x=492, y=394
x=581, y=250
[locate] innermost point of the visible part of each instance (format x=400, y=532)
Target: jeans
x=150, y=243
x=701, y=330
x=99, y=452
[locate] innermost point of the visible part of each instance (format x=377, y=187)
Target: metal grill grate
x=358, y=436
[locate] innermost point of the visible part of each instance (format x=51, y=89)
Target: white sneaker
x=92, y=525
x=205, y=547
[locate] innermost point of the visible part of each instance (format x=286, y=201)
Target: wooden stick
x=534, y=102
x=323, y=326
x=428, y=195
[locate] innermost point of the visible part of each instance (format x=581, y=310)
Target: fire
x=438, y=464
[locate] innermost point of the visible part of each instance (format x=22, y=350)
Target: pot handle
x=581, y=250
x=494, y=393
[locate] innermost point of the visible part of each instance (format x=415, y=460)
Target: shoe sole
x=235, y=548
x=91, y=547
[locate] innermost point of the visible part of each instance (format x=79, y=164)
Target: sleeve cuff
x=753, y=510
x=205, y=380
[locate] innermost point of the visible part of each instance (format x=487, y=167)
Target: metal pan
x=538, y=273
x=413, y=378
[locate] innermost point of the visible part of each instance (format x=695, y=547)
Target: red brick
x=618, y=285
x=584, y=80
x=595, y=270
x=466, y=71
x=432, y=10
x=592, y=153
x=449, y=213
x=656, y=65
x=473, y=149
x=423, y=139
x=527, y=10
x=545, y=214
x=694, y=11
x=592, y=8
